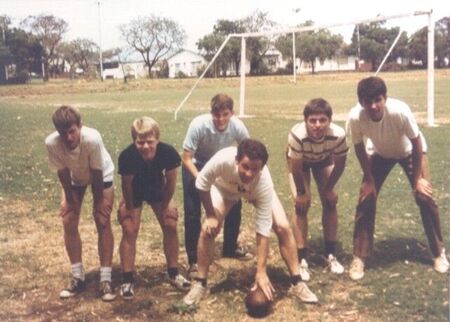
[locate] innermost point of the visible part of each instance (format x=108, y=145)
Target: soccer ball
x=257, y=304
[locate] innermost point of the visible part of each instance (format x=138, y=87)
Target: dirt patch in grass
x=34, y=268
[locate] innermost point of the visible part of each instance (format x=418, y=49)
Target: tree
x=311, y=45
x=418, y=44
x=67, y=52
x=49, y=30
x=20, y=49
x=84, y=52
x=26, y=50
x=257, y=47
x=375, y=41
x=6, y=57
x=209, y=45
x=153, y=37
x=442, y=42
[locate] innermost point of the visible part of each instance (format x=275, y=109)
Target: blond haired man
x=148, y=169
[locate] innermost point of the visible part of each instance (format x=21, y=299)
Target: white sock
x=105, y=274
x=78, y=271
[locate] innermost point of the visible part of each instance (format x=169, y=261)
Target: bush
x=201, y=69
x=21, y=77
x=180, y=74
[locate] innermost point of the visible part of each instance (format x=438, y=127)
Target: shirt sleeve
x=410, y=124
x=242, y=132
x=54, y=161
x=353, y=126
x=341, y=148
x=126, y=163
x=95, y=155
x=263, y=205
x=173, y=159
x=207, y=176
x=295, y=146
x=191, y=140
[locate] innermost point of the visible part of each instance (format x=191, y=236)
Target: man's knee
x=130, y=227
x=282, y=229
x=69, y=217
x=170, y=221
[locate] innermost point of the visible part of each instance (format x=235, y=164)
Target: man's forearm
x=262, y=249
x=97, y=185
x=66, y=183
x=205, y=197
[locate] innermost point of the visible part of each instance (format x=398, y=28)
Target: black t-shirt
x=148, y=175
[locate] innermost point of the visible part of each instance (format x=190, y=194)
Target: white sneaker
x=304, y=271
x=196, y=293
x=106, y=291
x=441, y=264
x=180, y=282
x=303, y=293
x=356, y=271
x=335, y=266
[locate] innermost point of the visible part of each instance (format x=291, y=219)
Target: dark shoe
x=127, y=291
x=240, y=253
x=75, y=287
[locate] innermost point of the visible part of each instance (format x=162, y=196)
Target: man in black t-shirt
x=148, y=169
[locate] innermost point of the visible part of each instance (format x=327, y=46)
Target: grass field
x=399, y=285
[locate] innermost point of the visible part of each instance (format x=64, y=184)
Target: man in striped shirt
x=319, y=146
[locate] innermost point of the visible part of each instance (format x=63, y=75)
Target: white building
x=186, y=62
x=340, y=63
x=116, y=70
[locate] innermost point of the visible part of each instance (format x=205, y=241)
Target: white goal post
x=293, y=31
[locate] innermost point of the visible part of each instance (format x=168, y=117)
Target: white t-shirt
x=204, y=140
x=222, y=172
x=89, y=155
x=301, y=146
x=390, y=137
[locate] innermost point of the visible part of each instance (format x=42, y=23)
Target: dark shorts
x=149, y=196
x=318, y=165
x=106, y=185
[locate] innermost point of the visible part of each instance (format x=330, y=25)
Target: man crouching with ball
x=230, y=174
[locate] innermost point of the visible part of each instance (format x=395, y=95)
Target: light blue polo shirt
x=204, y=140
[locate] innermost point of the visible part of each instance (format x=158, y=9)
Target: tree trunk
x=46, y=76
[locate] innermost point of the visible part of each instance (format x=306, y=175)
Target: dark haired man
x=229, y=175
x=392, y=137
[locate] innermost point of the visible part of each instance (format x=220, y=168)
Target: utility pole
x=100, y=41
x=359, y=45
x=4, y=44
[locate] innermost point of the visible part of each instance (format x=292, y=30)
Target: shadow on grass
x=393, y=250
x=385, y=253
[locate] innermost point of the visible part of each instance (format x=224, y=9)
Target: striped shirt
x=301, y=146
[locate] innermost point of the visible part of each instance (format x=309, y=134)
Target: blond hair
x=144, y=126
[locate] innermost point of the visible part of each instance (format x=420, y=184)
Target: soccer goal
x=294, y=31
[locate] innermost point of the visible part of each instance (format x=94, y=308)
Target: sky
x=197, y=17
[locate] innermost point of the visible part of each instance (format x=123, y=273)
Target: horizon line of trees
x=37, y=45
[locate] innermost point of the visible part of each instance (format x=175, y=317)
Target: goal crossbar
x=293, y=31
